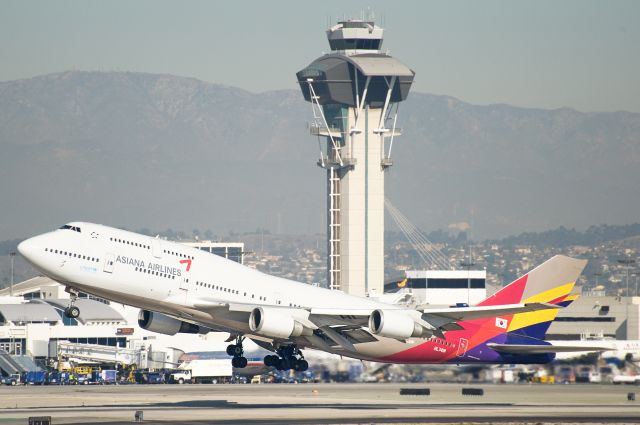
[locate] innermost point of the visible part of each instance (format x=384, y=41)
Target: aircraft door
x=462, y=347
x=184, y=284
x=156, y=247
x=184, y=287
x=109, y=262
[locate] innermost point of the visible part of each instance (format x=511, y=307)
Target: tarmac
x=322, y=404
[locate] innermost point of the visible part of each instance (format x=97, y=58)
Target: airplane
x=183, y=289
x=614, y=349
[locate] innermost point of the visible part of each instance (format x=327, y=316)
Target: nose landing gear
x=238, y=361
x=289, y=357
x=72, y=312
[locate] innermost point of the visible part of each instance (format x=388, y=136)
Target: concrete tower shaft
x=355, y=91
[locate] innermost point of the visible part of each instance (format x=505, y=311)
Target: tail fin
x=551, y=282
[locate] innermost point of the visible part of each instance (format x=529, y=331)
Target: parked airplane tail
x=551, y=282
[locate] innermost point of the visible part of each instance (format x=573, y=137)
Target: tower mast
x=355, y=91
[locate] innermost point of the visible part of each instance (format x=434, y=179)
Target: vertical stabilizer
x=551, y=282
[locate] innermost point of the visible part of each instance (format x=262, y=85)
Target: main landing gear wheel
x=271, y=360
x=290, y=357
x=235, y=350
x=72, y=312
x=239, y=361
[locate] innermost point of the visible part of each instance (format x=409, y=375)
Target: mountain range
x=161, y=151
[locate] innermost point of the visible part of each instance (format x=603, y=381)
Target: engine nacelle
x=395, y=324
x=275, y=323
x=163, y=324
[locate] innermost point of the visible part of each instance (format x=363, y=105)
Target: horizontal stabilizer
x=545, y=349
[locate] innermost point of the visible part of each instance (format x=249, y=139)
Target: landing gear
x=289, y=357
x=238, y=361
x=72, y=312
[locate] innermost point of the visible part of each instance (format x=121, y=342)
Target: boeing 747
x=183, y=289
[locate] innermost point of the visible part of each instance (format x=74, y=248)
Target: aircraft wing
x=546, y=349
x=336, y=321
x=345, y=319
x=457, y=314
x=439, y=315
x=355, y=318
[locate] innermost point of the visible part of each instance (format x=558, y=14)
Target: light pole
x=636, y=276
x=12, y=255
x=626, y=263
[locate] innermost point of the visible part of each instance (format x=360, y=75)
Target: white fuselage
x=180, y=281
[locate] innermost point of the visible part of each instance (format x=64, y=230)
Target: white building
x=230, y=250
x=443, y=287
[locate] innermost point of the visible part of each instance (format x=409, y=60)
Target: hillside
x=159, y=151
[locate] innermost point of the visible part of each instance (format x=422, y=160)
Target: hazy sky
x=548, y=54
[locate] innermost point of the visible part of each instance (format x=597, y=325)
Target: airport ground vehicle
x=588, y=374
x=565, y=375
x=148, y=377
x=108, y=376
x=626, y=379
x=61, y=378
x=13, y=379
x=203, y=371
x=36, y=377
x=54, y=378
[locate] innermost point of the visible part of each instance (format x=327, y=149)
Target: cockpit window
x=68, y=227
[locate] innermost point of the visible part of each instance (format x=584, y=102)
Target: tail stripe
x=551, y=294
x=525, y=320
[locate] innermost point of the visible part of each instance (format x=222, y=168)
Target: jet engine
x=395, y=324
x=275, y=323
x=163, y=324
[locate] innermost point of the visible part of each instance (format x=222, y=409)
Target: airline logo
x=187, y=262
x=152, y=267
x=501, y=323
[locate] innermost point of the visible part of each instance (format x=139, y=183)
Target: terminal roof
x=90, y=310
x=28, y=313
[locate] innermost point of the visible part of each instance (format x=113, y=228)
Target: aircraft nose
x=26, y=248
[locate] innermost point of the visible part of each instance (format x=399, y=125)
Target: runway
x=321, y=404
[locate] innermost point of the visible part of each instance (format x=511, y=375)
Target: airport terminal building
x=595, y=316
x=442, y=287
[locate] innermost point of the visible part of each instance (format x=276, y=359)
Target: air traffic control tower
x=355, y=91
